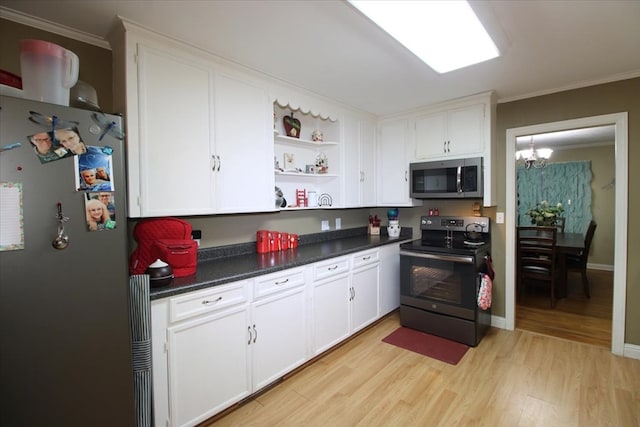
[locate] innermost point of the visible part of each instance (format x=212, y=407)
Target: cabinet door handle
x=213, y=157
x=354, y=293
x=361, y=176
x=206, y=301
x=255, y=334
x=406, y=173
x=444, y=146
x=219, y=164
x=332, y=268
x=250, y=336
x=448, y=146
x=283, y=282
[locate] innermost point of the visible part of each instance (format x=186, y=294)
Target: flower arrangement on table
x=545, y=214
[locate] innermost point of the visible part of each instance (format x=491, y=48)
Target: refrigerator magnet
x=46, y=148
x=93, y=171
x=97, y=214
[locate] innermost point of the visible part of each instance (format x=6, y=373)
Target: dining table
x=566, y=244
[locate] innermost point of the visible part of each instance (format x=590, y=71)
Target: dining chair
x=537, y=259
x=560, y=224
x=578, y=263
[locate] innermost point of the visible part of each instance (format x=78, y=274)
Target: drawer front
x=365, y=258
x=276, y=282
x=330, y=268
x=208, y=300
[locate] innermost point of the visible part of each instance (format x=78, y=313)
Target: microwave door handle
x=459, y=179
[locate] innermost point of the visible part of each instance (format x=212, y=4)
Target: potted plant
x=545, y=214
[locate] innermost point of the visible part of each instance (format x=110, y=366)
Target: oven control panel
x=475, y=223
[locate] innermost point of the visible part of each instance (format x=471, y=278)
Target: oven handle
x=454, y=258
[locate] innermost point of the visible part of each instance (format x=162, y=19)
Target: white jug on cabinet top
x=48, y=71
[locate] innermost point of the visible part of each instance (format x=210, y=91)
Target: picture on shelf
x=289, y=161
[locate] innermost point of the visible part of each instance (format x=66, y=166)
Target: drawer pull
x=205, y=302
x=283, y=282
x=332, y=268
x=366, y=258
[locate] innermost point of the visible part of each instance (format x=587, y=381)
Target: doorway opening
x=619, y=120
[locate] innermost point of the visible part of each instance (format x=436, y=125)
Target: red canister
x=293, y=241
x=262, y=241
x=273, y=242
x=284, y=241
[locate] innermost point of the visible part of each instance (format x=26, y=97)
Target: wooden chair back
x=560, y=224
x=536, y=257
x=578, y=263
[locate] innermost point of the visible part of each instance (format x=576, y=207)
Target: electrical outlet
x=196, y=235
x=338, y=223
x=499, y=217
x=324, y=225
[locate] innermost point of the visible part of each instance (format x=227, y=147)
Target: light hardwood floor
x=512, y=378
x=575, y=317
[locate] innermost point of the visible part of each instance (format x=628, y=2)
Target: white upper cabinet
x=394, y=148
x=242, y=129
x=170, y=165
x=451, y=130
x=197, y=138
x=457, y=132
x=359, y=159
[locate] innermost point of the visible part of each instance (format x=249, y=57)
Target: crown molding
x=52, y=27
x=576, y=85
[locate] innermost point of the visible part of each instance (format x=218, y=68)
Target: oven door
x=441, y=283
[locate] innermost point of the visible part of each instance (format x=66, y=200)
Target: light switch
x=500, y=217
x=338, y=223
x=324, y=225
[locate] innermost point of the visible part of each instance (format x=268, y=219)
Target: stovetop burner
x=457, y=247
x=474, y=244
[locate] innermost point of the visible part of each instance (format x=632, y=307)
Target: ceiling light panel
x=446, y=35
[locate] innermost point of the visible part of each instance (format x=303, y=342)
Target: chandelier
x=532, y=157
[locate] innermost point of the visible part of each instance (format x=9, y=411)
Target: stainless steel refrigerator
x=65, y=349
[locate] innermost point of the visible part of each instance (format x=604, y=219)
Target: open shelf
x=292, y=140
x=306, y=175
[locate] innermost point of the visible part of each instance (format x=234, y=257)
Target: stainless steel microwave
x=447, y=179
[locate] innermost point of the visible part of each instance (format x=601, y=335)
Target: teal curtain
x=566, y=182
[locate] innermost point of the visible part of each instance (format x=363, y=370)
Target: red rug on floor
x=428, y=345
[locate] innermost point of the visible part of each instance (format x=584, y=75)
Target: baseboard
x=603, y=267
x=498, y=322
x=631, y=351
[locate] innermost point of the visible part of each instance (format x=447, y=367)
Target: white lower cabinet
x=208, y=361
x=278, y=327
x=212, y=348
x=389, y=278
x=330, y=302
x=200, y=357
x=345, y=298
x=364, y=289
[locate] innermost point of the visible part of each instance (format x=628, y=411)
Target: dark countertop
x=217, y=266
